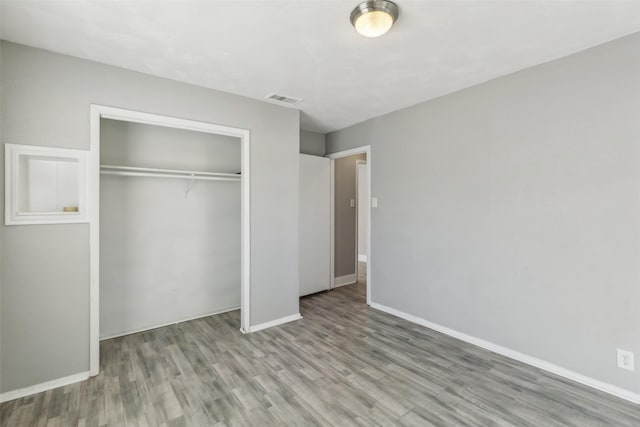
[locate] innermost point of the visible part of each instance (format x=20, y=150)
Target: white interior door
x=315, y=224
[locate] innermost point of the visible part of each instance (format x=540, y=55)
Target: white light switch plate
x=352, y=203
x=374, y=202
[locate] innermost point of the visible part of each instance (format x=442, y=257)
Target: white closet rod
x=171, y=171
x=167, y=173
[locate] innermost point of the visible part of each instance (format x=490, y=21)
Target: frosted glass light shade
x=374, y=24
x=374, y=18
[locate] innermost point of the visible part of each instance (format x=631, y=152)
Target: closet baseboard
x=200, y=316
x=39, y=388
x=348, y=279
x=272, y=323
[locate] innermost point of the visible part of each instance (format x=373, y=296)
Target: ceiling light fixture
x=373, y=18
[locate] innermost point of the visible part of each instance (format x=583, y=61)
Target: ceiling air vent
x=283, y=99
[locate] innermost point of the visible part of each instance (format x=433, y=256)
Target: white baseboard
x=282, y=320
x=200, y=316
x=39, y=388
x=524, y=358
x=362, y=257
x=349, y=279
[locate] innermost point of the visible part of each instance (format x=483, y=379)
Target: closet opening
x=169, y=223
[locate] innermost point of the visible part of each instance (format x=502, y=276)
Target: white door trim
x=365, y=149
x=332, y=244
x=358, y=163
x=98, y=112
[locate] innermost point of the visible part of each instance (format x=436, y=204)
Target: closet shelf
x=167, y=173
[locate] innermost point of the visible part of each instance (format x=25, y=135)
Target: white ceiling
x=308, y=49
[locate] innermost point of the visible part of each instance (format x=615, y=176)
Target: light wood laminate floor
x=344, y=364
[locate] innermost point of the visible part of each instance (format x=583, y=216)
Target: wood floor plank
x=343, y=364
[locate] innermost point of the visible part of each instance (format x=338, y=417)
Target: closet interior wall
x=170, y=247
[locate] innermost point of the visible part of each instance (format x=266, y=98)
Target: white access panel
x=315, y=224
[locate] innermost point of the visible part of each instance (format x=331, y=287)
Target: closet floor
x=343, y=364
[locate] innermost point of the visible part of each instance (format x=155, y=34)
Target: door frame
x=358, y=163
x=98, y=112
x=365, y=149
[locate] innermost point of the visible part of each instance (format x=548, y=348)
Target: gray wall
x=312, y=143
x=345, y=221
x=510, y=211
x=166, y=254
x=44, y=319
